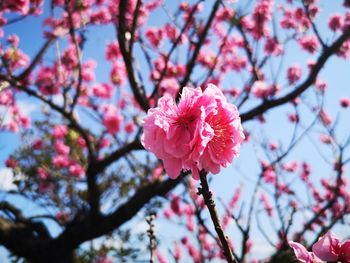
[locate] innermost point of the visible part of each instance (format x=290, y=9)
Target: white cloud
x=6, y=180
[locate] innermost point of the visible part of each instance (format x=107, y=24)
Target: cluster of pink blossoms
x=328, y=248
x=202, y=131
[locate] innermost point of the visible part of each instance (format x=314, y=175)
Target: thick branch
x=134, y=145
x=86, y=229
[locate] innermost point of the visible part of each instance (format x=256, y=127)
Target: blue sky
x=246, y=166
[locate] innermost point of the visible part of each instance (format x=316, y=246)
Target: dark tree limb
x=323, y=58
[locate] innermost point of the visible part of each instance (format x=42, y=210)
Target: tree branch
x=190, y=65
x=269, y=104
x=127, y=56
x=209, y=201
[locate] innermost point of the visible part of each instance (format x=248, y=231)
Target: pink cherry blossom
x=344, y=102
x=309, y=43
x=177, y=252
x=344, y=253
x=117, y=74
x=38, y=144
x=272, y=47
x=326, y=139
x=60, y=161
x=293, y=117
x=160, y=257
x=327, y=248
x=42, y=173
x=228, y=134
x=112, y=51
x=130, y=127
x=62, y=217
x=294, y=74
x=260, y=89
x=154, y=36
x=302, y=254
x=59, y=131
x=102, y=16
x=11, y=163
x=6, y=97
x=76, y=169
x=112, y=122
x=61, y=148
x=325, y=118
x=335, y=22
x=267, y=204
x=202, y=131
x=103, y=259
x=104, y=90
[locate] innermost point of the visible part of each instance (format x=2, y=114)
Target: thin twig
x=209, y=201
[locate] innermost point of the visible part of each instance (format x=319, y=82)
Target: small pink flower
x=154, y=36
x=61, y=148
x=325, y=118
x=290, y=167
x=175, y=205
x=273, y=146
x=160, y=257
x=102, y=16
x=113, y=51
x=335, y=22
x=326, y=139
x=76, y=170
x=260, y=89
x=293, y=118
x=118, y=74
x=294, y=74
x=103, y=259
x=59, y=131
x=38, y=144
x=266, y=203
x=177, y=252
x=344, y=102
x=272, y=47
x=11, y=163
x=112, y=122
x=344, y=253
x=81, y=142
x=309, y=43
x=62, y=217
x=321, y=85
x=103, y=142
x=104, y=90
x=42, y=174
x=130, y=127
x=60, y=161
